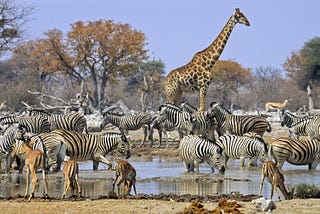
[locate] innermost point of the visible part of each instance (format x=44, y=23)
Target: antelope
x=276, y=178
x=275, y=105
x=71, y=175
x=128, y=176
x=35, y=159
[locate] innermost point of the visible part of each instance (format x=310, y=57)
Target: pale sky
x=177, y=29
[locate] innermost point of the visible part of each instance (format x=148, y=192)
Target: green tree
x=304, y=67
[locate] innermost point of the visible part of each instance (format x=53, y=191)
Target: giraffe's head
x=240, y=18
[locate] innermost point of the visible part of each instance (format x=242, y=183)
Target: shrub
x=307, y=191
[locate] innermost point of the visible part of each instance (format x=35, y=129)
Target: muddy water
x=159, y=176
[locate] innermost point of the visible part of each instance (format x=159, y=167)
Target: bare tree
x=12, y=19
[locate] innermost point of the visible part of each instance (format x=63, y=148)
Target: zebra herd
x=213, y=136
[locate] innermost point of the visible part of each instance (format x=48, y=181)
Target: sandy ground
x=311, y=206
x=164, y=204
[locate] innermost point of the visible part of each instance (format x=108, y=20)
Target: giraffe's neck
x=208, y=57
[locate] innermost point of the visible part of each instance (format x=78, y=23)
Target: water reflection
x=173, y=180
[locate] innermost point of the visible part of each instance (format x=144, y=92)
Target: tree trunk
x=309, y=94
x=95, y=90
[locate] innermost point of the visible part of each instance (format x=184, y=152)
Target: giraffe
x=196, y=75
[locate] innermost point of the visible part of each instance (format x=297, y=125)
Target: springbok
x=276, y=178
x=274, y=105
x=71, y=175
x=35, y=159
x=128, y=175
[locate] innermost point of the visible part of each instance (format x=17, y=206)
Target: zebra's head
x=124, y=146
x=16, y=131
x=217, y=157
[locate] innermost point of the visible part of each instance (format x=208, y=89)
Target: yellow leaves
x=227, y=70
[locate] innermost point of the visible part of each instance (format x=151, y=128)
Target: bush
x=307, y=191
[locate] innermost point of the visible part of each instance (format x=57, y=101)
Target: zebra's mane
x=222, y=108
x=188, y=107
x=170, y=106
x=8, y=117
x=113, y=114
x=211, y=141
x=37, y=112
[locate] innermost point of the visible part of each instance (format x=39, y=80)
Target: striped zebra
x=82, y=147
x=34, y=124
x=182, y=120
x=48, y=144
x=12, y=132
x=296, y=152
x=204, y=123
x=160, y=126
x=250, y=146
x=73, y=121
x=128, y=122
x=194, y=150
x=300, y=126
x=238, y=124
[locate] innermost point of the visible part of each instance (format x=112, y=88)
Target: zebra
x=128, y=122
x=161, y=126
x=182, y=120
x=73, y=121
x=12, y=132
x=300, y=126
x=194, y=150
x=82, y=147
x=238, y=124
x=204, y=123
x=296, y=152
x=250, y=146
x=34, y=124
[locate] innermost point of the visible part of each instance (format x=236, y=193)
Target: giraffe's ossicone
x=196, y=75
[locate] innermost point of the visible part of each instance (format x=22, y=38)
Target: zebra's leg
x=187, y=166
x=196, y=166
x=242, y=159
x=95, y=165
x=145, y=133
x=160, y=138
x=313, y=165
x=211, y=164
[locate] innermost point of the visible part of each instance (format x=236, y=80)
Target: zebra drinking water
x=250, y=146
x=82, y=147
x=194, y=150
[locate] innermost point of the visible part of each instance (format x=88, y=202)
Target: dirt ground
x=142, y=203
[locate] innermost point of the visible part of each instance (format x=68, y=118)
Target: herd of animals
x=215, y=135
x=45, y=141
